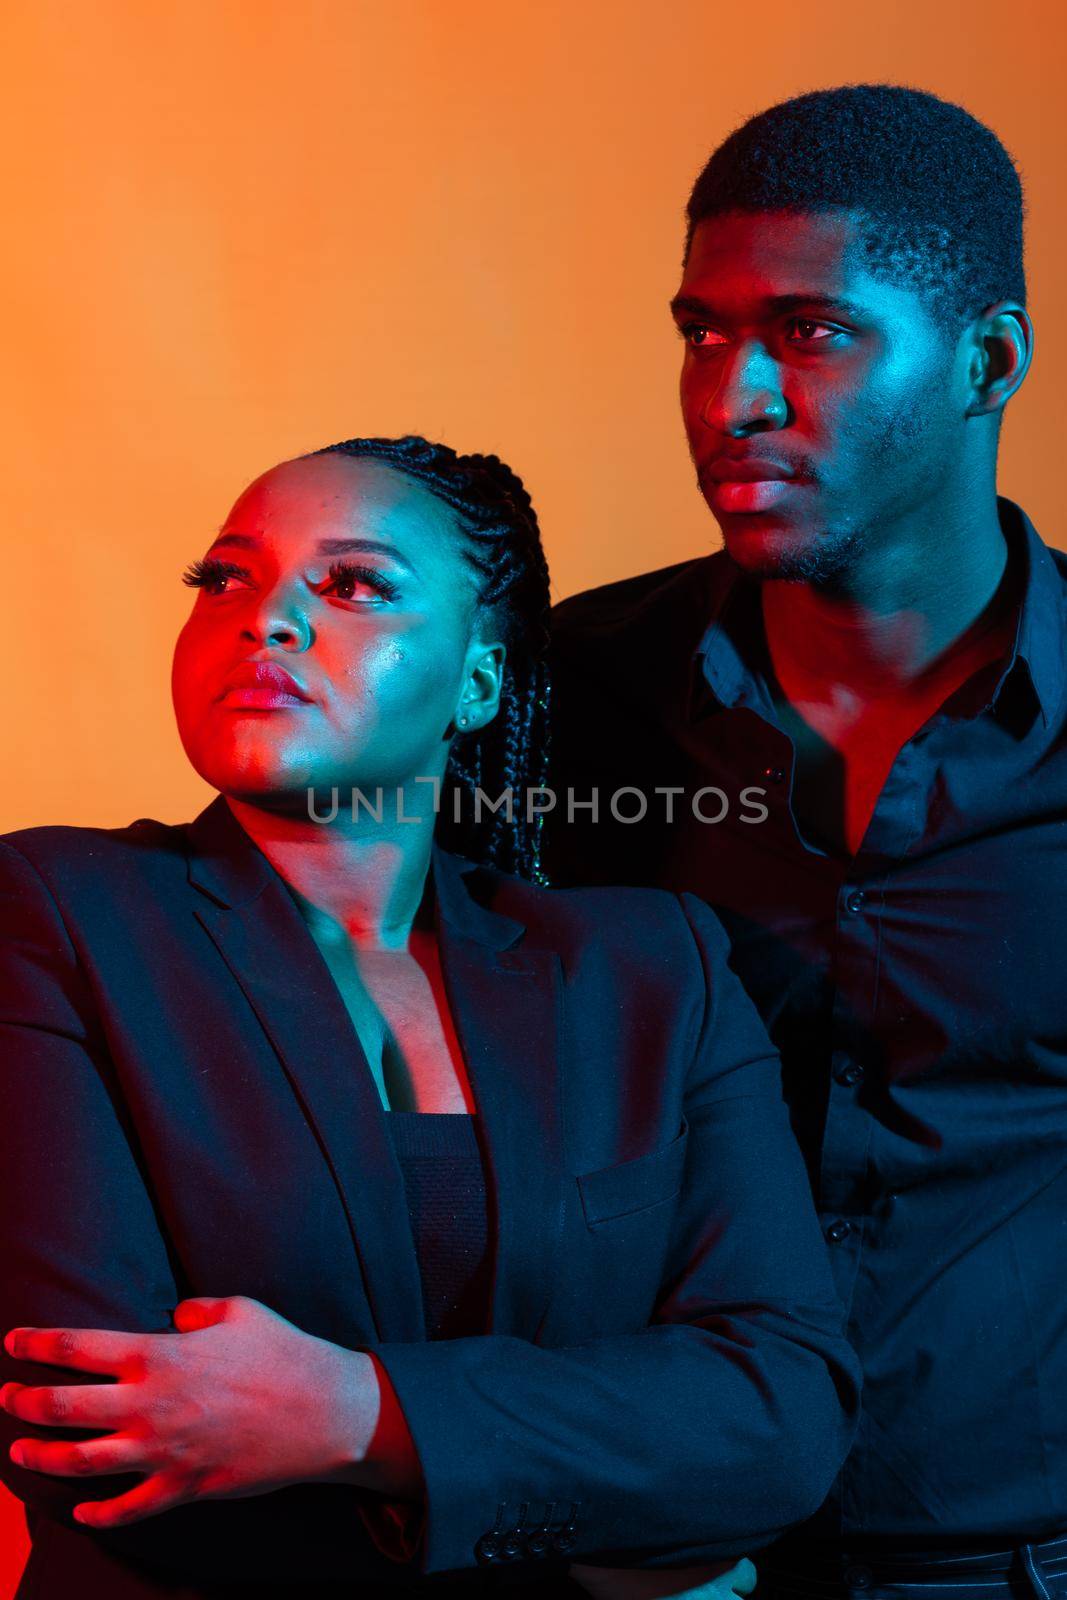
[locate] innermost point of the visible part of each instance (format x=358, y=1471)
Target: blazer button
x=487, y=1549
x=847, y=1072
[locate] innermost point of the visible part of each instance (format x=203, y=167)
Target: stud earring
x=462, y=721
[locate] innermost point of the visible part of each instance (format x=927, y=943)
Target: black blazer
x=187, y=1111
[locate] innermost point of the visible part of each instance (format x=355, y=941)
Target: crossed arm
x=216, y=1414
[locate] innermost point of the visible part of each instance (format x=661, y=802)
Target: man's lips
x=747, y=483
x=262, y=686
x=745, y=469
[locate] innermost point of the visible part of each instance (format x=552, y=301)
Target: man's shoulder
x=661, y=595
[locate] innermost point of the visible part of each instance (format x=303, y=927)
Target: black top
x=444, y=1182
x=917, y=991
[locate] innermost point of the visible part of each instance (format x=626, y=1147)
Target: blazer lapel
x=264, y=941
x=505, y=1004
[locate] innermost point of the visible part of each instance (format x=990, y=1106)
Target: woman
x=342, y=1174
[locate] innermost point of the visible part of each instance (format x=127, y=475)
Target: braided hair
x=503, y=544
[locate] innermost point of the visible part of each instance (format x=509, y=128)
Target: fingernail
x=78, y=1514
x=16, y=1454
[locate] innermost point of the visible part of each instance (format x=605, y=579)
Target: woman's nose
x=278, y=622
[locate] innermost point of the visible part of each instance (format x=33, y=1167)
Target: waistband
x=1037, y=1570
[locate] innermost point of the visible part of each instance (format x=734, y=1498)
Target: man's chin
x=763, y=548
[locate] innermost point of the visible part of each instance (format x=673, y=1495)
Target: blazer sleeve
x=705, y=1435
x=80, y=1245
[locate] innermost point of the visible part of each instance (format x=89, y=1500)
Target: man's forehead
x=772, y=253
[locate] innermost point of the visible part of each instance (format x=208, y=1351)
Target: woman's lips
x=260, y=697
x=752, y=494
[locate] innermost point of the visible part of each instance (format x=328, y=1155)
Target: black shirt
x=916, y=990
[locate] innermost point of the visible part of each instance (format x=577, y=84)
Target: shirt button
x=838, y=1230
x=854, y=901
x=849, y=1073
x=858, y=1577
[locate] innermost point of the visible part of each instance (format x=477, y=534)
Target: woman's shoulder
x=610, y=915
x=68, y=853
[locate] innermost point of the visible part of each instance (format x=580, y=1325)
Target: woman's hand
x=683, y=1583
x=236, y=1403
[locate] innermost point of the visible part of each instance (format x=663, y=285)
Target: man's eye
x=700, y=335
x=351, y=582
x=809, y=331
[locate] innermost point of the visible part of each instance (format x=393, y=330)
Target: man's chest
x=936, y=948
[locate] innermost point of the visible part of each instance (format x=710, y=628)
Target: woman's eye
x=699, y=335
x=366, y=584
x=213, y=575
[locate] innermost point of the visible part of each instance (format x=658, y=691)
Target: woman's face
x=379, y=657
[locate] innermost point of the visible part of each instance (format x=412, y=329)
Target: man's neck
x=882, y=625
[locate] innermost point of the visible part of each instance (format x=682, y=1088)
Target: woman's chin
x=276, y=787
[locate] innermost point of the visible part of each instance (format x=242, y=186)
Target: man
x=846, y=731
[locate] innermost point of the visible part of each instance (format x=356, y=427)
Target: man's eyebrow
x=325, y=547
x=772, y=305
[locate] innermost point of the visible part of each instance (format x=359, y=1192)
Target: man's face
x=823, y=406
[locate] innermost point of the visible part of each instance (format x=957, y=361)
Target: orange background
x=240, y=229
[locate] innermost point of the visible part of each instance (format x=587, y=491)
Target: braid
x=503, y=545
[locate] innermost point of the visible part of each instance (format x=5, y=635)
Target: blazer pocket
x=634, y=1185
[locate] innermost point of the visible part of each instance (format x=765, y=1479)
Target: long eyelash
x=342, y=570
x=198, y=574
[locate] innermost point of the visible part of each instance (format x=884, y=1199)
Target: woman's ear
x=479, y=699
x=1001, y=346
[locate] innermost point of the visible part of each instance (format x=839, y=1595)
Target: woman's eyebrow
x=325, y=547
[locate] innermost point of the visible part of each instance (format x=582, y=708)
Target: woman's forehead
x=335, y=496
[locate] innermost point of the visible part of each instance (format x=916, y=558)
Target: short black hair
x=941, y=197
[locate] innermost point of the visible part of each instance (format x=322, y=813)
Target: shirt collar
x=727, y=665
x=1039, y=644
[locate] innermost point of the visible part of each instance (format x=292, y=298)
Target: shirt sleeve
x=708, y=1433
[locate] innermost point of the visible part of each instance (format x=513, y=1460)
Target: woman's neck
x=356, y=882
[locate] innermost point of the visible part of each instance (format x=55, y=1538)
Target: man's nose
x=748, y=397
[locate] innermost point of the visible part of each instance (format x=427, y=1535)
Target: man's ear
x=479, y=696
x=1001, y=347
